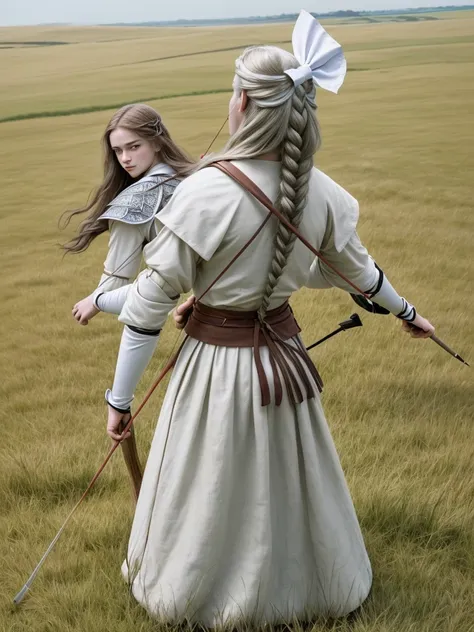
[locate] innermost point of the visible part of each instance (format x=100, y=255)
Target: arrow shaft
x=444, y=346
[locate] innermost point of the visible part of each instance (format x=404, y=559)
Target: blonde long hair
x=147, y=123
x=279, y=117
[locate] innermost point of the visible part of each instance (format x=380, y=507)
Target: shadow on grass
x=400, y=521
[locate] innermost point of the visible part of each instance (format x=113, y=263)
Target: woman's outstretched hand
x=84, y=310
x=419, y=328
x=183, y=312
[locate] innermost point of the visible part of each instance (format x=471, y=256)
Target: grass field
x=399, y=137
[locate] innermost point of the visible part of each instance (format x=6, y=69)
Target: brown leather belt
x=227, y=328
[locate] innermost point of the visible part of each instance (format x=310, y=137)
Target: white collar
x=161, y=168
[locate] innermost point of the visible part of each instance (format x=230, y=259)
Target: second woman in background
x=143, y=166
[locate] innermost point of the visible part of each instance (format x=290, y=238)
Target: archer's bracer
x=142, y=200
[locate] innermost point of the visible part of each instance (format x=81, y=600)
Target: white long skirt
x=244, y=513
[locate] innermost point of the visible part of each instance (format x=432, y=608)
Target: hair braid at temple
x=295, y=173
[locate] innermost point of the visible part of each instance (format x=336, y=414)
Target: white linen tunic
x=124, y=254
x=244, y=513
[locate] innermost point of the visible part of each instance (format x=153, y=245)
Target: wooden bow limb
x=132, y=461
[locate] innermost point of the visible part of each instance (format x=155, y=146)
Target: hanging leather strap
x=278, y=331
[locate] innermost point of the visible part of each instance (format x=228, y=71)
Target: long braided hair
x=279, y=117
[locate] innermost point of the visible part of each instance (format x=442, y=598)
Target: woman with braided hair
x=244, y=514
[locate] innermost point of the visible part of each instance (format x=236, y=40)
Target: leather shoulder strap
x=248, y=184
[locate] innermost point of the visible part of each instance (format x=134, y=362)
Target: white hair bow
x=320, y=56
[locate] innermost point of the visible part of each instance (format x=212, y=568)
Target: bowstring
x=123, y=264
x=217, y=135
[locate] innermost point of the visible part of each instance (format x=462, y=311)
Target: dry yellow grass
x=400, y=138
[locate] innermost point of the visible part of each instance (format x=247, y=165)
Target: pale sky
x=16, y=12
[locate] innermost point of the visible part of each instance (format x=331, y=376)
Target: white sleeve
x=342, y=249
x=124, y=256
x=316, y=280
x=171, y=272
x=136, y=350
x=112, y=302
x=355, y=263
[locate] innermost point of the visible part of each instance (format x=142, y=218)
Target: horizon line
x=261, y=18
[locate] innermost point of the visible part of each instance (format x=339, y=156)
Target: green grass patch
x=33, y=43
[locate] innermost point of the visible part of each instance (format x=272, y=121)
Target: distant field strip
x=365, y=46
x=199, y=52
x=31, y=44
x=407, y=43
x=110, y=106
x=38, y=82
x=114, y=106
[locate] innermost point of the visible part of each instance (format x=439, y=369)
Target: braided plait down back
x=279, y=118
x=295, y=174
